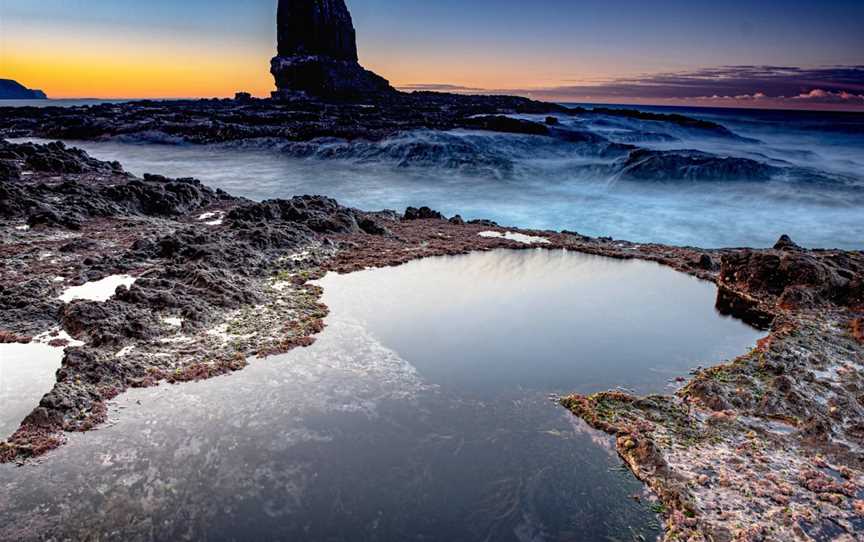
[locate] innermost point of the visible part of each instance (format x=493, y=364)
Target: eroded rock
x=317, y=53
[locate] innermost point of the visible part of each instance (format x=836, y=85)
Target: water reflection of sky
x=26, y=374
x=422, y=411
x=546, y=320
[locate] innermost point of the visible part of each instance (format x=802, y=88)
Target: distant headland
x=13, y=90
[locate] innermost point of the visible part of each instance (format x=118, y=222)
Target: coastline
x=262, y=255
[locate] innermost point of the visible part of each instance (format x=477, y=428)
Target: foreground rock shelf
x=766, y=447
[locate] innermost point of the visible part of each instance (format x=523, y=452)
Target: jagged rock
x=324, y=77
x=54, y=158
x=317, y=52
x=484, y=222
x=319, y=214
x=705, y=262
x=372, y=226
x=691, y=165
x=500, y=123
x=795, y=278
x=9, y=171
x=423, y=213
x=786, y=243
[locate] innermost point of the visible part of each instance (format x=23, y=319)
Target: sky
x=767, y=53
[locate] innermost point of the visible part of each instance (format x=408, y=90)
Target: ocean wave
x=692, y=165
x=563, y=155
x=153, y=137
x=468, y=152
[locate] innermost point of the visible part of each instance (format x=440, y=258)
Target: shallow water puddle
x=97, y=290
x=27, y=373
x=518, y=237
x=212, y=219
x=422, y=413
x=547, y=320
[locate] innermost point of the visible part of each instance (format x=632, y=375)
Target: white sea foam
x=545, y=183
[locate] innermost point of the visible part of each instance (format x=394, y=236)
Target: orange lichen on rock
x=857, y=327
x=7, y=337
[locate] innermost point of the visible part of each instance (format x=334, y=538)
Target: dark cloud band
x=789, y=85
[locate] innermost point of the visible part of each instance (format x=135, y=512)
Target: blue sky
x=504, y=44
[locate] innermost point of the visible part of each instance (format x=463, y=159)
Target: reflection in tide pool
x=27, y=372
x=422, y=413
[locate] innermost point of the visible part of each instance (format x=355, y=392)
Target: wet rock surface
x=220, y=279
x=769, y=446
x=373, y=118
x=650, y=165
x=418, y=129
x=680, y=120
x=190, y=313
x=72, y=197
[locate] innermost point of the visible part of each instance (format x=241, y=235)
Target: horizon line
x=833, y=108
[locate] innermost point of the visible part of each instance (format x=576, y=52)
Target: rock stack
x=317, y=53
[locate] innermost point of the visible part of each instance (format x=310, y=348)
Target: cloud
x=438, y=87
x=745, y=97
x=767, y=85
x=819, y=95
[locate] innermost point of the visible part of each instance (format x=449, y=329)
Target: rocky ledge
x=767, y=447
x=373, y=118
x=771, y=445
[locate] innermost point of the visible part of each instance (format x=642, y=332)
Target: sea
x=427, y=409
x=799, y=173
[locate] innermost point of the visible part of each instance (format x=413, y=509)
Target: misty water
x=816, y=196
x=423, y=412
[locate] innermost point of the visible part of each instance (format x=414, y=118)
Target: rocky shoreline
x=767, y=447
x=374, y=118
